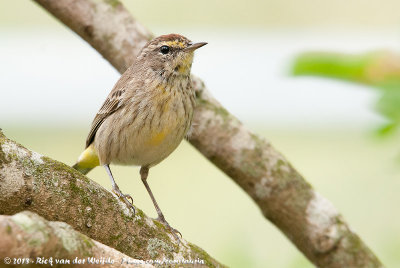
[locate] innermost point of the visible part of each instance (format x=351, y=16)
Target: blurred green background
x=52, y=84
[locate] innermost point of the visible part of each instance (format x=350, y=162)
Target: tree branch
x=29, y=239
x=57, y=192
x=284, y=197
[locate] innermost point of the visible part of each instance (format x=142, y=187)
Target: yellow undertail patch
x=87, y=160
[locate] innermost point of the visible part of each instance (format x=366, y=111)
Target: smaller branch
x=119, y=42
x=28, y=238
x=57, y=192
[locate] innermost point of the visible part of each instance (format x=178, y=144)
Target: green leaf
x=389, y=105
x=386, y=130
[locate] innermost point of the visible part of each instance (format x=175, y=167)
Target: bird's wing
x=111, y=104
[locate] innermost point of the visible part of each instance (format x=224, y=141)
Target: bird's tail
x=81, y=169
x=87, y=160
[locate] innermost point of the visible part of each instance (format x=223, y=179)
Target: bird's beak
x=195, y=46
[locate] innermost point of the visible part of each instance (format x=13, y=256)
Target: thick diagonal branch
x=284, y=197
x=55, y=191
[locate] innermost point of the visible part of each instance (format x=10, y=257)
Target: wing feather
x=111, y=104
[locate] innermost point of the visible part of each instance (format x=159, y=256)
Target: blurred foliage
x=378, y=69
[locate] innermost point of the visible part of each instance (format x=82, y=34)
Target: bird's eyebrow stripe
x=175, y=43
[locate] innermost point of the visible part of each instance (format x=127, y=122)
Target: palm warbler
x=147, y=113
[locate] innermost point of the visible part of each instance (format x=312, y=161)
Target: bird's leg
x=117, y=191
x=144, y=172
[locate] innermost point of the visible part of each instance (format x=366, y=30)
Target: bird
x=147, y=114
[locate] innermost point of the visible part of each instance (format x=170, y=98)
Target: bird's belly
x=149, y=146
x=146, y=137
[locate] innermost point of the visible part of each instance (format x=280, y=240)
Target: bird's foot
x=174, y=231
x=124, y=198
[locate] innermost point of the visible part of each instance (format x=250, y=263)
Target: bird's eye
x=164, y=49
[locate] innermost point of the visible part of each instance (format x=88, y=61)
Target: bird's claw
x=174, y=231
x=124, y=198
x=128, y=196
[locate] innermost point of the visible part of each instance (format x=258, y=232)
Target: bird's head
x=169, y=54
